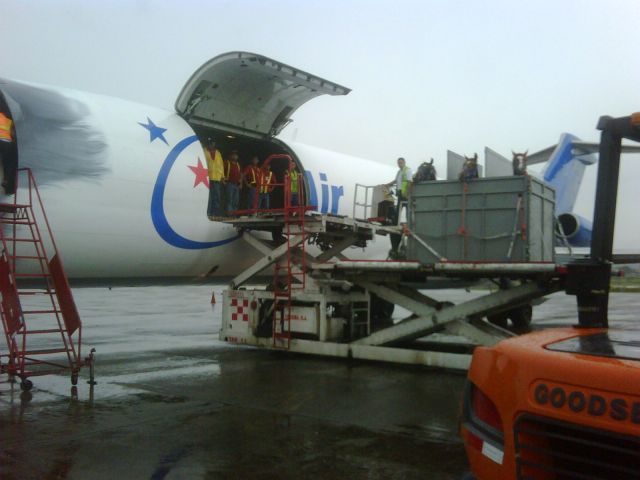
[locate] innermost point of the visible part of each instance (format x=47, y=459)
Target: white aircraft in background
x=125, y=185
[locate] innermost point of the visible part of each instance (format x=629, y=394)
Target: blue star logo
x=154, y=131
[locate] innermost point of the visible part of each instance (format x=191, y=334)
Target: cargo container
x=488, y=219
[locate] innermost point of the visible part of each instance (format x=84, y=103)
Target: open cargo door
x=248, y=94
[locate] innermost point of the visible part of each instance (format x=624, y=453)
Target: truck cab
x=564, y=403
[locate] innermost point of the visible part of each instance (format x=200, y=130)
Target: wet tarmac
x=173, y=402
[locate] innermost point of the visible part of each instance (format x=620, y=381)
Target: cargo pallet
x=340, y=307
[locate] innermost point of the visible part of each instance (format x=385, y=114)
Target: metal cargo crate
x=487, y=219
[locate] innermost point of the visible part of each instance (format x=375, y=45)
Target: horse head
x=519, y=162
x=471, y=160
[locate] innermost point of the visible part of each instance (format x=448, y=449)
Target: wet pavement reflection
x=173, y=402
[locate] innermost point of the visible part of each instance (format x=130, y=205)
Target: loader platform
x=321, y=302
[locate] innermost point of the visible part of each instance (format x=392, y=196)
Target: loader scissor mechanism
x=323, y=303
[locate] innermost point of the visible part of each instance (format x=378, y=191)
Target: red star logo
x=202, y=175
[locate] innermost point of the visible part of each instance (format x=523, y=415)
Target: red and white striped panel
x=239, y=309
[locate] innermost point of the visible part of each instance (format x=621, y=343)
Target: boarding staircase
x=40, y=320
x=289, y=275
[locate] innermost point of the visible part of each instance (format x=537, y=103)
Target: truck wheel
x=521, y=316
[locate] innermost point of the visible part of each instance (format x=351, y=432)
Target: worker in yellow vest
x=7, y=155
x=266, y=187
x=403, y=184
x=294, y=179
x=215, y=167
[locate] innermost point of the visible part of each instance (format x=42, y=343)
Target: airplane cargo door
x=243, y=100
x=248, y=94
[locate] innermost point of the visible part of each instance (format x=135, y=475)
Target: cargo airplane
x=125, y=185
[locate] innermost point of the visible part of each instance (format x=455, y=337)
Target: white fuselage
x=121, y=198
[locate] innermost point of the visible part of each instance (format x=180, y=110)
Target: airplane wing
x=583, y=148
x=542, y=156
x=593, y=147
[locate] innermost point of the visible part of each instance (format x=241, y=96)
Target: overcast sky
x=427, y=76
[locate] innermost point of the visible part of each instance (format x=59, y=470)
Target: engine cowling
x=576, y=229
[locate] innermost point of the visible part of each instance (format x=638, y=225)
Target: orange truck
x=564, y=403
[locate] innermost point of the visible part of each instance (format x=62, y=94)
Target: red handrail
x=286, y=184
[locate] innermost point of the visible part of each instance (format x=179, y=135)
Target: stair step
x=44, y=292
x=47, y=330
x=45, y=351
x=7, y=221
x=39, y=312
x=48, y=371
x=27, y=240
x=28, y=257
x=8, y=208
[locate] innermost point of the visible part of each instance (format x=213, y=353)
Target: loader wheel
x=26, y=384
x=381, y=313
x=521, y=316
x=499, y=319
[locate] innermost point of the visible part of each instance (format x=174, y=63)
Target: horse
x=469, y=168
x=519, y=163
x=426, y=172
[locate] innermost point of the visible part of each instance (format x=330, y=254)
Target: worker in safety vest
x=266, y=187
x=251, y=177
x=293, y=177
x=215, y=167
x=7, y=138
x=233, y=179
x=403, y=184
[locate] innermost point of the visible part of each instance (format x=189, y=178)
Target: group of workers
x=227, y=179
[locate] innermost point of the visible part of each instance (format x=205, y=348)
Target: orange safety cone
x=213, y=298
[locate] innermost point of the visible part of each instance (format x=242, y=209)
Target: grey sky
x=426, y=76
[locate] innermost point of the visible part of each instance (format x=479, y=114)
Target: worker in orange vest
x=250, y=179
x=7, y=156
x=266, y=187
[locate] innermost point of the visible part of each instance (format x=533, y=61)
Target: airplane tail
x=565, y=171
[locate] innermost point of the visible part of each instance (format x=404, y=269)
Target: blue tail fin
x=565, y=170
